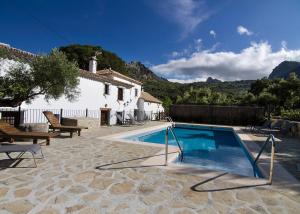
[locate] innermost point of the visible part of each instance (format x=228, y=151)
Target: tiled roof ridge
x=100, y=78
x=17, y=50
x=109, y=71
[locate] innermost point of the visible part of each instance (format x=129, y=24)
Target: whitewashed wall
x=92, y=97
x=89, y=98
x=154, y=108
x=6, y=64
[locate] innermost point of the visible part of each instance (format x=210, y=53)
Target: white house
x=152, y=105
x=107, y=91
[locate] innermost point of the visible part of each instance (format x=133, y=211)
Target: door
x=104, y=117
x=120, y=117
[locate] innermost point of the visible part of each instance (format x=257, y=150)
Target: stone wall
x=86, y=121
x=291, y=128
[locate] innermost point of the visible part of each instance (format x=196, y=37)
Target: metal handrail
x=271, y=140
x=170, y=120
x=176, y=139
x=170, y=128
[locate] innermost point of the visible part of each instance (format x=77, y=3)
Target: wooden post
x=19, y=116
x=61, y=114
x=166, y=142
x=123, y=117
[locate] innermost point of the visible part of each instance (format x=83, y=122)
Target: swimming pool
x=206, y=147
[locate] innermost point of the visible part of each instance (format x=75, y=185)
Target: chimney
x=93, y=65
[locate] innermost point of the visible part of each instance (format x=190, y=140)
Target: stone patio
x=287, y=152
x=88, y=175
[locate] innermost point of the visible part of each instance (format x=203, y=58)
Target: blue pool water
x=211, y=148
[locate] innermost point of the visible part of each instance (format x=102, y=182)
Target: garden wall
x=211, y=114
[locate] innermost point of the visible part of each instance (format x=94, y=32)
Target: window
x=120, y=93
x=136, y=92
x=106, y=89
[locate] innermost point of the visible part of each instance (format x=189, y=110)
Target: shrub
x=291, y=114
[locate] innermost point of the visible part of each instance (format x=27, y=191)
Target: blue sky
x=182, y=40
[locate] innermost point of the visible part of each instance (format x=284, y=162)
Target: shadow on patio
x=103, y=167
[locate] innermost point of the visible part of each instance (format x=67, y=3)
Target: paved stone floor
x=287, y=152
x=88, y=175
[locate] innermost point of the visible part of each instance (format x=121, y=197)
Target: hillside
x=284, y=69
x=163, y=88
x=141, y=72
x=157, y=86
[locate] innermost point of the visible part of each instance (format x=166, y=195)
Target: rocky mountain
x=141, y=72
x=284, y=69
x=212, y=80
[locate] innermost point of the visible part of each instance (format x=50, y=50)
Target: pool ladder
x=169, y=119
x=271, y=140
x=170, y=129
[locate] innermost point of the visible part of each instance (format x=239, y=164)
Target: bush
x=291, y=114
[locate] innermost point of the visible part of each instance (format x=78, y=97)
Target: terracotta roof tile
x=17, y=54
x=149, y=98
x=100, y=78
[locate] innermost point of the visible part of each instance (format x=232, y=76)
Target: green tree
x=267, y=100
x=51, y=75
x=218, y=98
x=167, y=102
x=82, y=54
x=248, y=99
x=259, y=86
x=178, y=99
x=203, y=96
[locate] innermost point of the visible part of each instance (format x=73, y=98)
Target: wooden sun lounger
x=11, y=133
x=55, y=124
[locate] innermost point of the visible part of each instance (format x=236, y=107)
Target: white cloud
x=213, y=33
x=253, y=62
x=284, y=44
x=175, y=54
x=195, y=47
x=147, y=63
x=198, y=44
x=243, y=31
x=188, y=14
x=189, y=80
x=183, y=53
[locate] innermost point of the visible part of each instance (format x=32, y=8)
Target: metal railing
x=271, y=140
x=169, y=119
x=170, y=129
x=19, y=115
